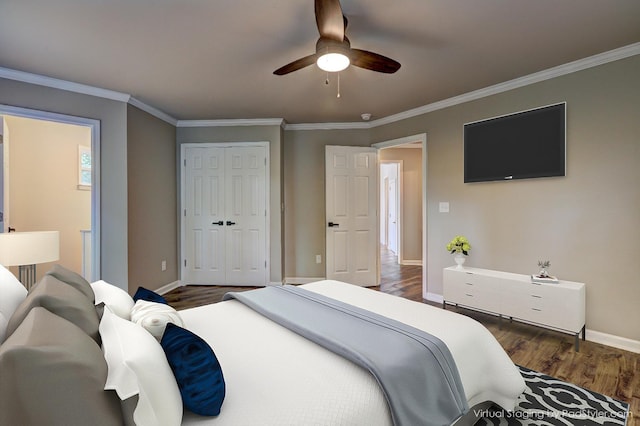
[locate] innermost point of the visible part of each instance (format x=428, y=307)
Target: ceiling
x=206, y=59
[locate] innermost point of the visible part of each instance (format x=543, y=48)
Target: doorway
x=391, y=205
x=409, y=156
x=51, y=165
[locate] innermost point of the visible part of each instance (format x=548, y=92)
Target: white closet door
x=204, y=216
x=352, y=225
x=246, y=212
x=225, y=216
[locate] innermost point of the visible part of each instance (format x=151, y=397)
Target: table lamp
x=26, y=249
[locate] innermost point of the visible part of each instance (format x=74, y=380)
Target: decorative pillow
x=196, y=369
x=73, y=279
x=53, y=374
x=148, y=295
x=12, y=293
x=61, y=299
x=114, y=297
x=154, y=317
x=138, y=366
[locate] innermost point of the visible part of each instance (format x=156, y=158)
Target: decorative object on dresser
x=543, y=275
x=26, y=249
x=460, y=248
x=558, y=306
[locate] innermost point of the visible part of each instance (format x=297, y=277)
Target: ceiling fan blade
x=373, y=61
x=296, y=65
x=329, y=19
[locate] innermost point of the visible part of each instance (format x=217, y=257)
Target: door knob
x=218, y=223
x=229, y=223
x=331, y=225
x=11, y=229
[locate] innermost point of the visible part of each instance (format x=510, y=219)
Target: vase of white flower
x=460, y=248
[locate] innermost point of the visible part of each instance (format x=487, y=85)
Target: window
x=84, y=167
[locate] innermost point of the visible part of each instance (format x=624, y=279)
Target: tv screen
x=526, y=144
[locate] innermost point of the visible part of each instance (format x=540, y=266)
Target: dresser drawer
x=551, y=305
x=471, y=290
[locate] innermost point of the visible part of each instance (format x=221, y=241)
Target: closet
x=224, y=214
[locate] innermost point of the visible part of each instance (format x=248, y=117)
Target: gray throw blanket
x=414, y=369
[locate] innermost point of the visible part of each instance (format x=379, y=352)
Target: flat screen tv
x=522, y=145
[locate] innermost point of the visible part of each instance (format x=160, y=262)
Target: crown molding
x=571, y=67
x=327, y=126
x=568, y=68
x=232, y=122
x=56, y=83
x=153, y=111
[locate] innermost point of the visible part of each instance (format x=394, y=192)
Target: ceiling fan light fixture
x=333, y=62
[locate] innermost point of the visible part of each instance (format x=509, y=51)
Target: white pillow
x=12, y=294
x=114, y=297
x=153, y=317
x=137, y=365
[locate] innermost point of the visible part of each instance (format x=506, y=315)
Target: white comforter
x=275, y=377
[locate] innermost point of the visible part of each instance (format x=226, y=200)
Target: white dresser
x=558, y=306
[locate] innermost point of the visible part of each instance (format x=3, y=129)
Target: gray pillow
x=61, y=299
x=73, y=279
x=54, y=374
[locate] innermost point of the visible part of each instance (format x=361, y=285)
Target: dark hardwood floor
x=600, y=368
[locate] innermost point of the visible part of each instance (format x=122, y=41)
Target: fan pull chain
x=338, y=85
x=327, y=80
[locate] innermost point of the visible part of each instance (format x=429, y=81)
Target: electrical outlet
x=164, y=265
x=318, y=258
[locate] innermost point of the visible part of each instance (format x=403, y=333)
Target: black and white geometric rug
x=549, y=401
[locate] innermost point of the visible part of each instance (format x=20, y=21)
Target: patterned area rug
x=549, y=401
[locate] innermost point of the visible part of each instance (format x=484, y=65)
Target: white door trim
x=183, y=149
x=421, y=137
x=96, y=270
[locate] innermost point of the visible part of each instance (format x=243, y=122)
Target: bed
x=273, y=376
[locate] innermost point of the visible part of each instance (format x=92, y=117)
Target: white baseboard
x=591, y=335
x=614, y=341
x=302, y=280
x=168, y=287
x=409, y=262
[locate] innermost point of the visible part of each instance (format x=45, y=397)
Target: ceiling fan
x=333, y=49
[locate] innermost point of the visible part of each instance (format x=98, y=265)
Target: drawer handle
x=536, y=296
x=536, y=309
x=469, y=283
x=467, y=294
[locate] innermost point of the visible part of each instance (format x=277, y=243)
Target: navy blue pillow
x=148, y=295
x=196, y=369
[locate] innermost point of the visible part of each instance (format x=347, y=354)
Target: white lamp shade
x=29, y=248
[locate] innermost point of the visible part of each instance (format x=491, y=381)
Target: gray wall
x=151, y=182
x=271, y=134
x=113, y=126
x=304, y=196
x=586, y=224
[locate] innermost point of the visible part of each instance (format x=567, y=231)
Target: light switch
x=443, y=207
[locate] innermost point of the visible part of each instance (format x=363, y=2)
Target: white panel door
x=225, y=216
x=204, y=215
x=245, y=219
x=351, y=214
x=392, y=211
